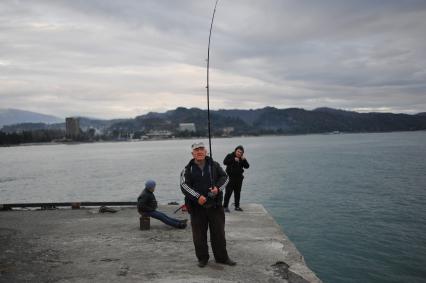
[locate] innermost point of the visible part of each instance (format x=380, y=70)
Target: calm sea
x=354, y=204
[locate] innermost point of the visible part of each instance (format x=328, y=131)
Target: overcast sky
x=119, y=59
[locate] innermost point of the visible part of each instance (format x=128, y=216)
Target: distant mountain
x=270, y=120
x=85, y=124
x=98, y=123
x=15, y=116
x=248, y=116
x=171, y=119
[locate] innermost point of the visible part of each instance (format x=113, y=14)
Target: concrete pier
x=84, y=245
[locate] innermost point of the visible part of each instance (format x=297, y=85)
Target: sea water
x=353, y=204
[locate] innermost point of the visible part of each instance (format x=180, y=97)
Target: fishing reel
x=211, y=195
x=210, y=200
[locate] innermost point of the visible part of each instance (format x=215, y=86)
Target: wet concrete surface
x=84, y=245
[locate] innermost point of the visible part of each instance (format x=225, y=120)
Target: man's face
x=238, y=153
x=199, y=154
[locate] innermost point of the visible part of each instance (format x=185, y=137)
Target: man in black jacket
x=235, y=163
x=147, y=204
x=202, y=183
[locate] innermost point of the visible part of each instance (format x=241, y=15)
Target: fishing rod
x=208, y=88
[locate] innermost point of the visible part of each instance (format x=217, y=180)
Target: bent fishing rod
x=208, y=99
x=208, y=87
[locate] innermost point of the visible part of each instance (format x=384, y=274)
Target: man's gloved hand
x=202, y=200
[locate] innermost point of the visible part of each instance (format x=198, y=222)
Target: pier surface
x=84, y=245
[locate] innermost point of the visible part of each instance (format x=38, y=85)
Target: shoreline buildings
x=72, y=128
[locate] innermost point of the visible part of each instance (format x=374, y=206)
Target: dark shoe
x=229, y=262
x=184, y=221
x=202, y=263
x=227, y=209
x=182, y=225
x=238, y=208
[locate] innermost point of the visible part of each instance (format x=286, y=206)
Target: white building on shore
x=190, y=127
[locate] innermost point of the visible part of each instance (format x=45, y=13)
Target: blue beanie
x=150, y=184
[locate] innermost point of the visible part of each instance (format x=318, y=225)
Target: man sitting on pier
x=147, y=205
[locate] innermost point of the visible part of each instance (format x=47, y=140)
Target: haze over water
x=354, y=204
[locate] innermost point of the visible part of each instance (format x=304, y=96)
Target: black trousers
x=234, y=185
x=203, y=219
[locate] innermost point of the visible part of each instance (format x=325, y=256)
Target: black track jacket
x=195, y=182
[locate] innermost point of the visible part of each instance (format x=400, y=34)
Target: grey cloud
x=67, y=56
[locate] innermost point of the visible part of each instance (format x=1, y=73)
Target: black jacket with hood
x=235, y=169
x=195, y=182
x=147, y=201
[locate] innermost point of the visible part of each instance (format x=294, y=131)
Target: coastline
x=198, y=138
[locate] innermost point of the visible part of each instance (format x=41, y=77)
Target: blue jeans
x=164, y=218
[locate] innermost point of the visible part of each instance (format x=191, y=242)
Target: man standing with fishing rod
x=203, y=182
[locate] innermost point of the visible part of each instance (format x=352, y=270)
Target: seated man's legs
x=166, y=219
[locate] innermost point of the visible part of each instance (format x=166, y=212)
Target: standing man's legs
x=237, y=192
x=199, y=223
x=216, y=217
x=228, y=192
